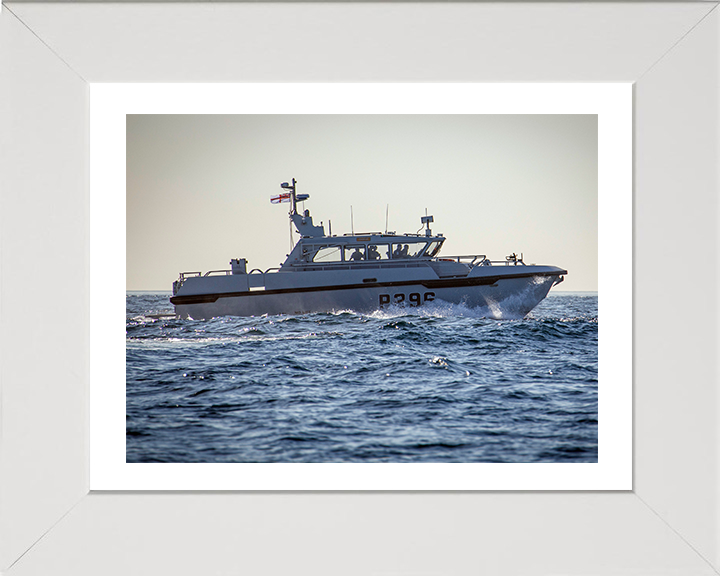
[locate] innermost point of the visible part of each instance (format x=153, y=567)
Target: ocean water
x=441, y=383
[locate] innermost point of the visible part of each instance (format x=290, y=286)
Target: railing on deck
x=471, y=260
x=185, y=275
x=261, y=272
x=253, y=281
x=482, y=260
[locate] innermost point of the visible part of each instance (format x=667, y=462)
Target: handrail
x=474, y=262
x=255, y=272
x=184, y=275
x=212, y=272
x=507, y=262
x=482, y=260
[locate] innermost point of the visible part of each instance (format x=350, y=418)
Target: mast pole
x=294, y=202
x=293, y=210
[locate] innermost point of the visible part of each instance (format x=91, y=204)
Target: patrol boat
x=363, y=272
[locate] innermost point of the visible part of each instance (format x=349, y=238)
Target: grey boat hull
x=497, y=295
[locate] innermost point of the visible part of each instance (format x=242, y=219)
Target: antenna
x=425, y=221
x=293, y=199
x=352, y=225
x=387, y=209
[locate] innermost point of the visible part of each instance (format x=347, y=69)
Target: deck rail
x=186, y=275
x=469, y=259
x=473, y=260
x=254, y=281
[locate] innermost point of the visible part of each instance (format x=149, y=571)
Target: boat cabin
x=380, y=247
x=314, y=247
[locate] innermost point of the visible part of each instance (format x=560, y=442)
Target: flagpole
x=294, y=211
x=294, y=202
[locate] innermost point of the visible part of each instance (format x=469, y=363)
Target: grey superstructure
x=363, y=272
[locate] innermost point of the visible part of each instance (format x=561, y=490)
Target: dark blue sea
x=435, y=384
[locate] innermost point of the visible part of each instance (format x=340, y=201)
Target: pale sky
x=199, y=187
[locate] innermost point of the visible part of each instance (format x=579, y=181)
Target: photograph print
x=362, y=288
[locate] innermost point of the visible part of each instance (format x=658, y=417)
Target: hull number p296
x=413, y=299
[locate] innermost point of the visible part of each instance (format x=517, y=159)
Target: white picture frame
x=668, y=523
x=611, y=106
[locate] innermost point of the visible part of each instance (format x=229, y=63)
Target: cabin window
x=327, y=254
x=433, y=248
x=378, y=251
x=355, y=253
x=407, y=249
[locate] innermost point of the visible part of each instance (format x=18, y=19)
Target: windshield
x=407, y=249
x=433, y=248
